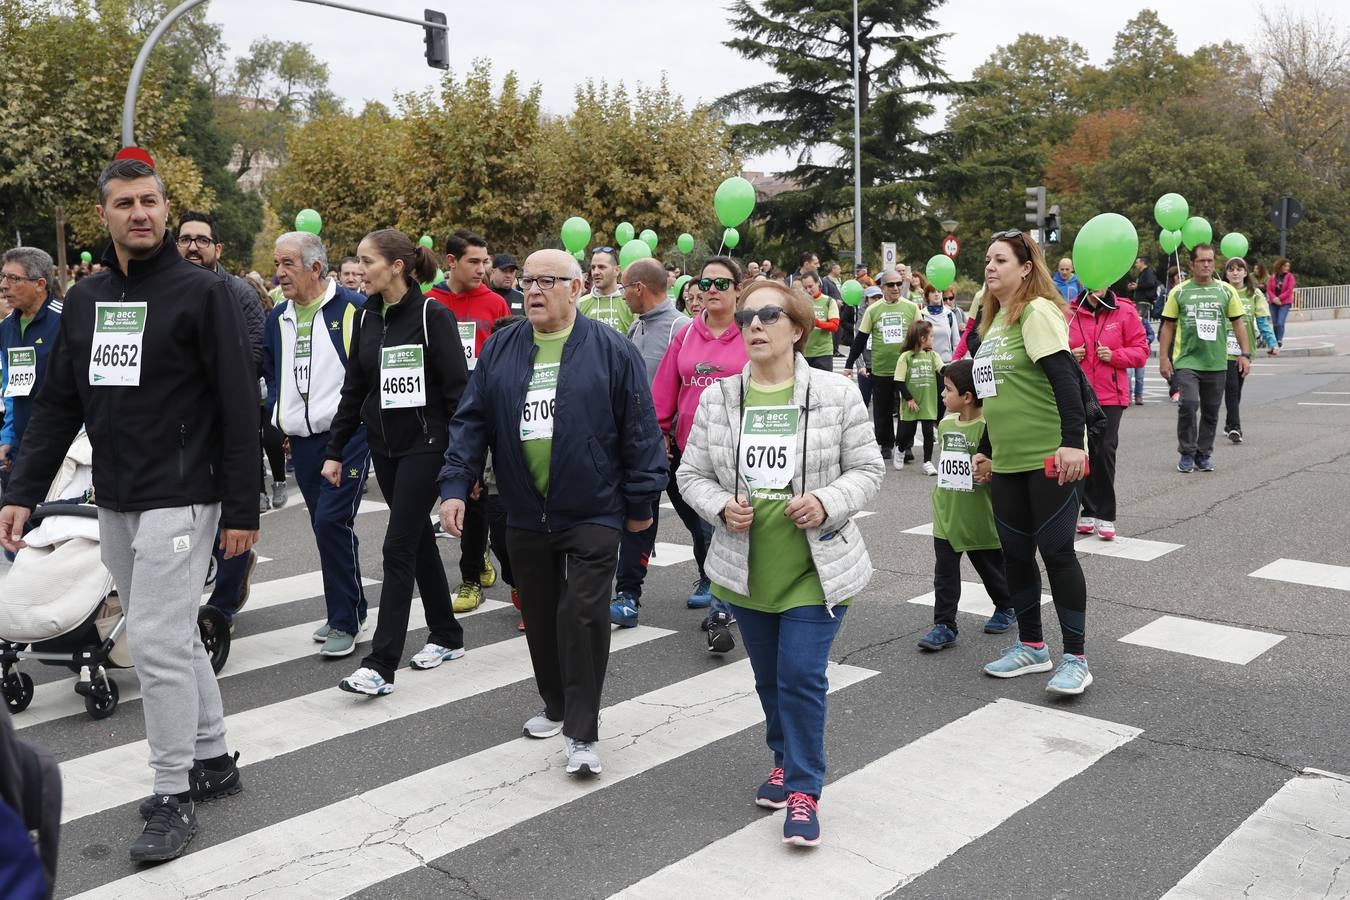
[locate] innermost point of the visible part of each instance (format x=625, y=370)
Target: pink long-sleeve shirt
x=694, y=360
x=1284, y=294
x=1121, y=332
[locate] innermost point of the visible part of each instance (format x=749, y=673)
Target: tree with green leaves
x=808, y=109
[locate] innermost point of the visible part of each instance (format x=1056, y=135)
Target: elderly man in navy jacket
x=564, y=405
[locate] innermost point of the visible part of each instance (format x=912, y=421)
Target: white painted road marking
x=1126, y=548
x=1206, y=639
x=974, y=599
x=1313, y=574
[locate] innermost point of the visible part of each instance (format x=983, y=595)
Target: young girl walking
x=963, y=515
x=916, y=377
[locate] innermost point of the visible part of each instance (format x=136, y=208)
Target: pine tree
x=809, y=109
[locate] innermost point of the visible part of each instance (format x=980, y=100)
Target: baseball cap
x=504, y=261
x=872, y=291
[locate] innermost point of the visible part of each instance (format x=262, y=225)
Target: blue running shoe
x=1072, y=678
x=772, y=794
x=1000, y=621
x=1203, y=462
x=939, y=637
x=801, y=827
x=623, y=610
x=702, y=597
x=1019, y=659
x=1186, y=465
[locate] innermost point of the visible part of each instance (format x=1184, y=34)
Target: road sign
x=888, y=257
x=1287, y=213
x=951, y=246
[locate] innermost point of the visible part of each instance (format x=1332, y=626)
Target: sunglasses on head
x=722, y=284
x=1010, y=234
x=767, y=316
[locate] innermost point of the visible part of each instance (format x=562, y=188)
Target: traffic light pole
x=138, y=69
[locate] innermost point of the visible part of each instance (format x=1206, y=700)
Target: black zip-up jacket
x=402, y=431
x=189, y=432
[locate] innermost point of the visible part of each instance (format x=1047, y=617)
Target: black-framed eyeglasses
x=16, y=279
x=722, y=284
x=201, y=240
x=767, y=316
x=545, y=282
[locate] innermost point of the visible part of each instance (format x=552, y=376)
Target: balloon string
x=721, y=246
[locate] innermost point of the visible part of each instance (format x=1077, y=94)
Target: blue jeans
x=1138, y=375
x=1278, y=313
x=229, y=580
x=332, y=516
x=788, y=652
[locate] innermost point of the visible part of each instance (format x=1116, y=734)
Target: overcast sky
x=561, y=44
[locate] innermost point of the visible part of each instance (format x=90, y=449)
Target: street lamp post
x=857, y=148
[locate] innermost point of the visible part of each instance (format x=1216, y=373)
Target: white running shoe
x=582, y=758
x=432, y=655
x=929, y=469
x=1086, y=524
x=366, y=681
x=898, y=461
x=1106, y=530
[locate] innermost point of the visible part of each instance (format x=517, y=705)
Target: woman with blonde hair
x=786, y=555
x=1033, y=453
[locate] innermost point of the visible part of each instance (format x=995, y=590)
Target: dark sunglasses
x=1010, y=234
x=894, y=284
x=722, y=284
x=602, y=250
x=767, y=316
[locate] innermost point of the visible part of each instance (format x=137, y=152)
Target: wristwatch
x=1246, y=355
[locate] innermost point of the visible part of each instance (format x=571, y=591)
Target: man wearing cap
x=502, y=279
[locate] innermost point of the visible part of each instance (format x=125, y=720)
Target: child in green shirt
x=916, y=377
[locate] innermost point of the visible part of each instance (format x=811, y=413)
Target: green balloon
x=1104, y=250
x=648, y=237
x=427, y=241
x=576, y=234
x=308, y=220
x=685, y=242
x=852, y=291
x=731, y=237
x=624, y=233
x=734, y=201
x=1195, y=232
x=427, y=286
x=1171, y=211
x=941, y=272
x=580, y=255
x=86, y=257
x=1169, y=241
x=633, y=251
x=1233, y=245
x=680, y=283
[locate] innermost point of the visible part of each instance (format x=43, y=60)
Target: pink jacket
x=1117, y=327
x=694, y=360
x=1285, y=295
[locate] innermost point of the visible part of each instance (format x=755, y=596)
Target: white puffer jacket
x=843, y=468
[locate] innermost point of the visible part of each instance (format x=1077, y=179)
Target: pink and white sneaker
x=1086, y=524
x=1106, y=530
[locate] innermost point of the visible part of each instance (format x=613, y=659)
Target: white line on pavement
x=1205, y=639
x=1323, y=404
x=898, y=817
x=111, y=777
x=343, y=848
x=974, y=599
x=1314, y=574
x=277, y=591
x=1126, y=548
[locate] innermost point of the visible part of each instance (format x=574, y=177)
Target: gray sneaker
x=263, y=503
x=541, y=726
x=323, y=631
x=582, y=758
x=280, y=493
x=338, y=643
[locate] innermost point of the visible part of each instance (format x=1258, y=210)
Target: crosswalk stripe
x=925, y=528
x=1298, y=571
x=1293, y=847
x=1136, y=549
x=277, y=591
x=340, y=849
x=974, y=599
x=668, y=554
x=1205, y=639
x=118, y=775
x=884, y=826
x=57, y=699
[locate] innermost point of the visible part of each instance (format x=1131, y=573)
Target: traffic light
x=1035, y=214
x=1052, y=225
x=437, y=40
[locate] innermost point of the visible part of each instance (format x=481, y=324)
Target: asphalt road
x=950, y=784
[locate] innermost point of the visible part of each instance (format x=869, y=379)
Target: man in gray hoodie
x=657, y=323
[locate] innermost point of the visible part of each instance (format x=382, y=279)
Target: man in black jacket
x=566, y=409
x=153, y=358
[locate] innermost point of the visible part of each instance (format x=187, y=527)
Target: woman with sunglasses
x=709, y=348
x=781, y=455
x=1033, y=453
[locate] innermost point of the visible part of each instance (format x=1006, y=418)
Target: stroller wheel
x=215, y=630
x=18, y=691
x=101, y=702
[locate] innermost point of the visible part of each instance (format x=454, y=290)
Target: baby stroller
x=60, y=606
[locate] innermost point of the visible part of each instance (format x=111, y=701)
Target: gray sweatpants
x=1201, y=392
x=158, y=560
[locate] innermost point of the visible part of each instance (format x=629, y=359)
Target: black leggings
x=1034, y=512
x=883, y=412
x=1232, y=398
x=904, y=436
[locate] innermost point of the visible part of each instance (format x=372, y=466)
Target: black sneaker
x=720, y=638
x=204, y=784
x=168, y=830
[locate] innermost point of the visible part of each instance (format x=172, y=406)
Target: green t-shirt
x=821, y=343
x=24, y=322
x=537, y=416
x=304, y=329
x=962, y=516
x=918, y=369
x=1022, y=417
x=1200, y=343
x=1254, y=307
x=610, y=310
x=782, y=574
x=888, y=323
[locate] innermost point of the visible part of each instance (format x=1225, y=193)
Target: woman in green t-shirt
x=782, y=457
x=1033, y=450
